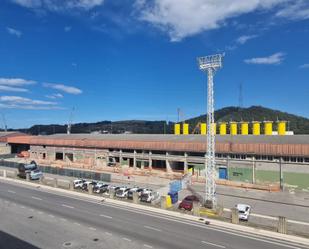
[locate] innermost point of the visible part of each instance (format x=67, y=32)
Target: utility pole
x=209, y=65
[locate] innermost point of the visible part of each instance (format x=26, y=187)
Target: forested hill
x=299, y=125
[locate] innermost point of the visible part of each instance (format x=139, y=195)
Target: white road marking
x=148, y=246
x=36, y=198
x=75, y=223
x=106, y=216
x=153, y=228
x=212, y=244
x=40, y=212
x=107, y=233
x=51, y=216
x=92, y=228
x=31, y=210
x=63, y=219
x=67, y=206
x=11, y=191
x=22, y=207
x=127, y=239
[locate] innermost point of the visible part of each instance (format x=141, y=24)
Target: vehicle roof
x=242, y=206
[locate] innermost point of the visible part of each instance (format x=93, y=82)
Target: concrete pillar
x=185, y=165
x=150, y=160
x=235, y=218
x=163, y=202
x=4, y=173
x=135, y=198
x=112, y=193
x=120, y=158
x=55, y=183
x=168, y=166
x=228, y=166
x=282, y=226
x=134, y=160
x=28, y=177
x=90, y=189
x=41, y=180
x=71, y=185
x=196, y=208
x=253, y=169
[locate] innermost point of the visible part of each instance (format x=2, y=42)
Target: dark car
x=130, y=193
x=187, y=203
x=100, y=189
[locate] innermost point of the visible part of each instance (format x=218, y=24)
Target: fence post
x=163, y=202
x=90, y=189
x=71, y=185
x=55, y=183
x=135, y=197
x=112, y=193
x=4, y=173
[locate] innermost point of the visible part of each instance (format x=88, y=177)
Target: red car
x=187, y=203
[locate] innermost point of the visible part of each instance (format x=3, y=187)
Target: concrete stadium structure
x=251, y=159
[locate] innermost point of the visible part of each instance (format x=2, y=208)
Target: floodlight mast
x=210, y=64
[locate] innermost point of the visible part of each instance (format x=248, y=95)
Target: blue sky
x=135, y=59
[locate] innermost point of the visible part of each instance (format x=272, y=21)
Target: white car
x=122, y=192
x=243, y=211
x=149, y=196
x=78, y=183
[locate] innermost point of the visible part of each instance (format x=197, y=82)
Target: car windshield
x=241, y=211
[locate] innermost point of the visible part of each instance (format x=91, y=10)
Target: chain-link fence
x=63, y=171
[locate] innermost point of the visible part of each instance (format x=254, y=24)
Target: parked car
x=36, y=174
x=122, y=192
x=100, y=189
x=243, y=211
x=78, y=183
x=86, y=185
x=115, y=188
x=32, y=169
x=187, y=202
x=149, y=196
x=132, y=190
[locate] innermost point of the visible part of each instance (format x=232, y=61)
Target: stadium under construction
x=248, y=159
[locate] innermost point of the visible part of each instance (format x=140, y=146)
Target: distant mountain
x=299, y=125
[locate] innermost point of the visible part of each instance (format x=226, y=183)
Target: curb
x=225, y=225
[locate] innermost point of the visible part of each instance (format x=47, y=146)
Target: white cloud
x=16, y=82
x=182, y=18
x=64, y=88
x=297, y=10
x=12, y=89
x=15, y=32
x=59, y=5
x=304, y=66
x=274, y=59
x=54, y=96
x=244, y=38
x=67, y=28
x=17, y=102
x=25, y=101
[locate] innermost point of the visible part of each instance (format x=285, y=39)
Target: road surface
x=47, y=219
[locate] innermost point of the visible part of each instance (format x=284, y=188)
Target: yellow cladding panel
x=256, y=128
x=177, y=129
x=281, y=128
x=268, y=128
x=244, y=128
x=185, y=129
x=223, y=129
x=214, y=128
x=168, y=201
x=203, y=128
x=233, y=128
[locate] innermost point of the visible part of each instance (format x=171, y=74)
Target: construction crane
x=70, y=121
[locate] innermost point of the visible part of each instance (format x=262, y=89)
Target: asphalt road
x=47, y=219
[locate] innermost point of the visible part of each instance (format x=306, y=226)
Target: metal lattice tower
x=210, y=64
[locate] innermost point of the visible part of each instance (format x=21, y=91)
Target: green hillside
x=299, y=125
